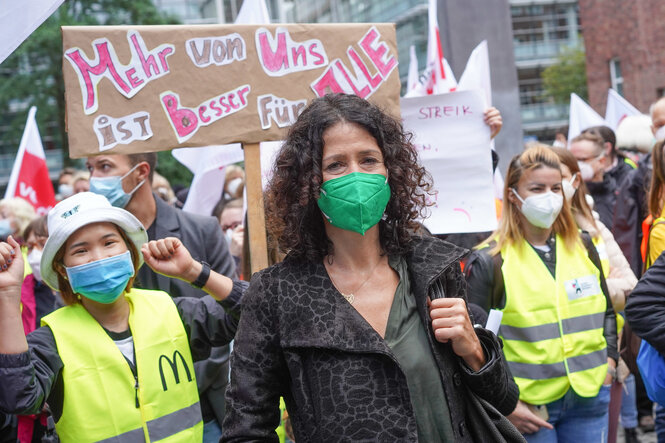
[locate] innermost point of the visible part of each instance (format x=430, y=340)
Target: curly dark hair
x=293, y=216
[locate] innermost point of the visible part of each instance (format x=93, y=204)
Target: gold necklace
x=350, y=297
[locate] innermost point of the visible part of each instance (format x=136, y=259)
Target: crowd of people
x=125, y=318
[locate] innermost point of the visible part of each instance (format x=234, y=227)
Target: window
x=616, y=78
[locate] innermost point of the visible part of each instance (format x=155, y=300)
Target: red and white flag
x=438, y=78
x=29, y=178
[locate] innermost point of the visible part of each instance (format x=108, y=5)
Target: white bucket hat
x=80, y=210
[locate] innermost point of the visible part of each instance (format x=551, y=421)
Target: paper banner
x=453, y=143
x=153, y=88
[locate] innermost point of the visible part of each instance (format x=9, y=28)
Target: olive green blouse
x=407, y=338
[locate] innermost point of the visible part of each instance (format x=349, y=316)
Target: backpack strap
x=499, y=289
x=591, y=250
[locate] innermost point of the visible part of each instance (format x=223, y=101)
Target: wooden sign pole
x=258, y=245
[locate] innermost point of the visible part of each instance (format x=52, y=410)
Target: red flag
x=29, y=178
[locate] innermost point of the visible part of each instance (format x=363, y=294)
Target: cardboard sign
x=453, y=144
x=153, y=88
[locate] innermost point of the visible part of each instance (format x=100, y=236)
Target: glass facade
x=410, y=17
x=541, y=30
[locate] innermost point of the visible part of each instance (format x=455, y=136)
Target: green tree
x=32, y=75
x=566, y=76
x=174, y=171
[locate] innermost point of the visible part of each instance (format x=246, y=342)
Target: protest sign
x=152, y=88
x=453, y=144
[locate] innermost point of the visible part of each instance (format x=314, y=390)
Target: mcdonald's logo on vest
x=174, y=368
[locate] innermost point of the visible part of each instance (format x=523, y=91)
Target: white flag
x=582, y=116
x=476, y=75
x=617, y=109
x=19, y=19
x=208, y=165
x=253, y=12
x=412, y=81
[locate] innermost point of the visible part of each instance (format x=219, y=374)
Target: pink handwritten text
x=186, y=121
x=144, y=66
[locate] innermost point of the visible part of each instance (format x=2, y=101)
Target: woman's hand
x=493, y=120
x=450, y=322
x=611, y=372
x=11, y=269
x=169, y=257
x=12, y=336
x=236, y=241
x=526, y=421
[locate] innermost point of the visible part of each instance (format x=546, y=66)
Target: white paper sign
x=453, y=142
x=269, y=151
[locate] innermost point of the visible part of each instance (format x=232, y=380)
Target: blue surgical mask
x=111, y=188
x=5, y=228
x=102, y=280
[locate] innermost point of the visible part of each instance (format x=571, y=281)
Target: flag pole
x=258, y=244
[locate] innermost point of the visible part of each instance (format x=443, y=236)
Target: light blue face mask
x=111, y=188
x=102, y=280
x=5, y=228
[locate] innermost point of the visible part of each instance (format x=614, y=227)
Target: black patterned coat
x=300, y=339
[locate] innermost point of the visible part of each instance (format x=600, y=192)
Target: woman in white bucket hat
x=116, y=363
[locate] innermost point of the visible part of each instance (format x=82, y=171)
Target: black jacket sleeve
x=29, y=378
x=257, y=369
x=493, y=382
x=479, y=273
x=645, y=308
x=208, y=322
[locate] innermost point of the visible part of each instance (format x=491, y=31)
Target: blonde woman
x=558, y=326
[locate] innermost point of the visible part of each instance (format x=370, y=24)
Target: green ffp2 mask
x=355, y=201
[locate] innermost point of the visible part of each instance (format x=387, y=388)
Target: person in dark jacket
x=82, y=360
x=363, y=329
x=645, y=312
x=631, y=209
x=588, y=149
x=618, y=165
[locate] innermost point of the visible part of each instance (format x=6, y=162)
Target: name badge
x=582, y=287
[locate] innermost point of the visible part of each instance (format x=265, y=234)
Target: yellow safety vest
x=102, y=399
x=552, y=328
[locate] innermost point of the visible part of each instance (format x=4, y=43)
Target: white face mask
x=568, y=189
x=660, y=133
x=586, y=171
x=228, y=234
x=34, y=260
x=541, y=209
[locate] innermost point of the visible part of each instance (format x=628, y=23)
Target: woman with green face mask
x=363, y=328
